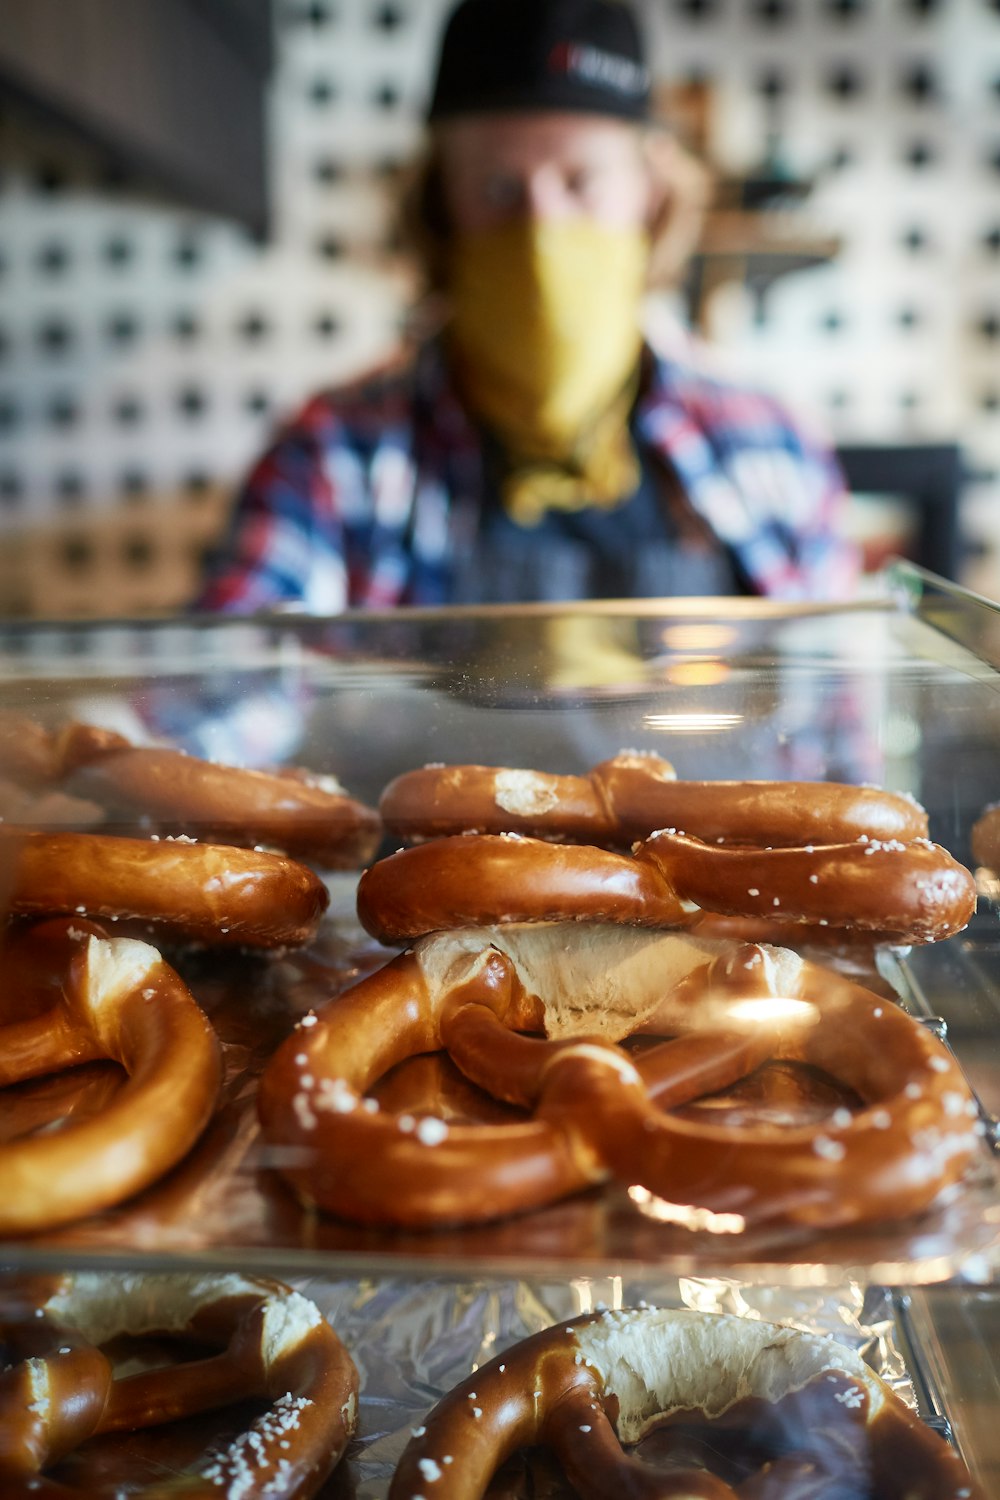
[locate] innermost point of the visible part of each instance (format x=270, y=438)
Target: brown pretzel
x=632, y=795
x=911, y=892
x=105, y=998
x=203, y=893
x=780, y=1414
x=308, y=816
x=986, y=838
x=595, y=1110
x=270, y=1343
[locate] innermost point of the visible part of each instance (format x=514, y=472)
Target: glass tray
x=875, y=692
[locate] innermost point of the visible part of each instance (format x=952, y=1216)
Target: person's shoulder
x=720, y=395
x=377, y=398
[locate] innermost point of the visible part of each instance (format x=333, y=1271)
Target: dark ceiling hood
x=170, y=89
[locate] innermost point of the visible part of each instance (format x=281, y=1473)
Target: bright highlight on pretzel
x=914, y=893
x=780, y=1413
x=591, y=1110
x=267, y=1342
x=106, y=998
x=202, y=893
x=633, y=794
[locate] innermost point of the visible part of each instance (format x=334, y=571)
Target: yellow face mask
x=545, y=343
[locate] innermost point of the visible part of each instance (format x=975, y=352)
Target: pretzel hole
x=41, y=1106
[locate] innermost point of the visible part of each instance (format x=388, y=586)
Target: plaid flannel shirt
x=368, y=494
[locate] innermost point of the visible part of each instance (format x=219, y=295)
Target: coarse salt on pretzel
x=911, y=892
x=102, y=998
x=268, y=1342
x=592, y=1110
x=306, y=815
x=778, y=1413
x=202, y=893
x=628, y=797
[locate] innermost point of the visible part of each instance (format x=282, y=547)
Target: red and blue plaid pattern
x=369, y=493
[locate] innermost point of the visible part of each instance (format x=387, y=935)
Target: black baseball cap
x=584, y=56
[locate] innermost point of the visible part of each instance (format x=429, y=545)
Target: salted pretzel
x=986, y=838
x=633, y=794
x=203, y=893
x=303, y=814
x=267, y=1343
x=86, y=996
x=776, y=1413
x=590, y=1109
x=913, y=893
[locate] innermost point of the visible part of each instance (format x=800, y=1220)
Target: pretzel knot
x=87, y=997
x=628, y=797
x=268, y=1343
x=774, y=1412
x=202, y=893
x=912, y=892
x=589, y=1109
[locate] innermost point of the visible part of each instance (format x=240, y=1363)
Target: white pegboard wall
x=146, y=352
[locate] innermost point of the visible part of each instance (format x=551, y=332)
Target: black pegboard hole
x=138, y=553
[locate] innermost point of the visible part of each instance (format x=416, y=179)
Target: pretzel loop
x=271, y=1344
x=117, y=999
x=628, y=797
x=909, y=892
x=191, y=892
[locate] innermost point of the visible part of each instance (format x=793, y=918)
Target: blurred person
x=538, y=446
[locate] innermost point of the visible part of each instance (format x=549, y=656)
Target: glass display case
x=902, y=691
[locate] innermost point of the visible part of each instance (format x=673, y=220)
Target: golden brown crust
x=913, y=893
x=117, y=1000
x=472, y=880
x=292, y=811
x=632, y=795
x=203, y=893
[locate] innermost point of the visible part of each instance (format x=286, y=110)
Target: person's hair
x=682, y=187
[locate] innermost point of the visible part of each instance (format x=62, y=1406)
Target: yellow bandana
x=545, y=343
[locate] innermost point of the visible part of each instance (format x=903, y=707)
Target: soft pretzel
x=630, y=796
x=268, y=1342
x=102, y=998
x=203, y=893
x=911, y=892
x=986, y=838
x=781, y=1414
x=305, y=815
x=590, y=1109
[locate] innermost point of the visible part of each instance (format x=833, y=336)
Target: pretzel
x=305, y=815
x=632, y=795
x=780, y=1413
x=270, y=1342
x=104, y=998
x=592, y=1110
x=201, y=893
x=986, y=838
x=913, y=892
x=28, y=751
